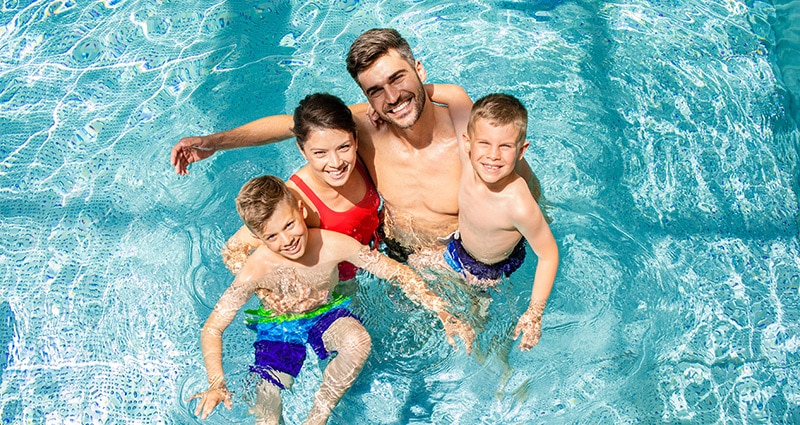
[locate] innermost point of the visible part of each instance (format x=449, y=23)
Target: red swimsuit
x=361, y=222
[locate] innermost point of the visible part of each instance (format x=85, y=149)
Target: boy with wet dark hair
x=294, y=273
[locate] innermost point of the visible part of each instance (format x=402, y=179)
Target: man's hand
x=187, y=151
x=453, y=326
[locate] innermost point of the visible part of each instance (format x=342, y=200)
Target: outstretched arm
x=416, y=289
x=259, y=132
x=530, y=221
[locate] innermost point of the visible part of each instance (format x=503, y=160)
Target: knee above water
x=355, y=344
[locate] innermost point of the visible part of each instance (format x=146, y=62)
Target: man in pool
x=412, y=155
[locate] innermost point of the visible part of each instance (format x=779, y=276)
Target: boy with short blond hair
x=294, y=274
x=497, y=212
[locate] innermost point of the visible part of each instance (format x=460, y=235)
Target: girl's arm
x=238, y=248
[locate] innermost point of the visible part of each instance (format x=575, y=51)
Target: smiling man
x=412, y=155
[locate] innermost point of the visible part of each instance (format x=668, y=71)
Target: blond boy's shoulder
x=520, y=197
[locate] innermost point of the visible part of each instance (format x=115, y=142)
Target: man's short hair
x=258, y=199
x=373, y=44
x=500, y=109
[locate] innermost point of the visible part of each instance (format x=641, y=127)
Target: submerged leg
x=350, y=340
x=269, y=403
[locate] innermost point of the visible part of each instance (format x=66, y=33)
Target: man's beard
x=419, y=105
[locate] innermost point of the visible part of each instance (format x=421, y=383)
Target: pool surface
x=664, y=134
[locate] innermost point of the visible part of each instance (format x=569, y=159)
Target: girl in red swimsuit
x=336, y=197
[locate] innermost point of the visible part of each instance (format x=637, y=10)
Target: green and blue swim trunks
x=281, y=340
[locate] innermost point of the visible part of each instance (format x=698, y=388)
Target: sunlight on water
x=662, y=134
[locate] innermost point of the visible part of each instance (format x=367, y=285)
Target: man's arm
x=259, y=132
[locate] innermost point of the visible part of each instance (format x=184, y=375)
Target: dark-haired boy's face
x=285, y=233
x=394, y=89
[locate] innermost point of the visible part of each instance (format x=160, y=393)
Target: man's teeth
x=401, y=106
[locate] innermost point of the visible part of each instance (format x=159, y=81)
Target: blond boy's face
x=285, y=233
x=493, y=150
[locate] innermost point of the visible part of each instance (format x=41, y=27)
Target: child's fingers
x=517, y=331
x=199, y=409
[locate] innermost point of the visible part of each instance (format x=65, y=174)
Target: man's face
x=394, y=89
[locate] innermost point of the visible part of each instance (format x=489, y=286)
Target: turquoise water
x=664, y=134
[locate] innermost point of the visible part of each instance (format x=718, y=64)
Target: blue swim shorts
x=281, y=340
x=459, y=259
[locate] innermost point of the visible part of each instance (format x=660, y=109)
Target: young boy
x=496, y=211
x=294, y=274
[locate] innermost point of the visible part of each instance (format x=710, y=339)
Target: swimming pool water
x=663, y=133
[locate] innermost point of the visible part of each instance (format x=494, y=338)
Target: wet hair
x=258, y=199
x=500, y=109
x=321, y=111
x=373, y=44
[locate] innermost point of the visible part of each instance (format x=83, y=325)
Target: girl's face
x=331, y=153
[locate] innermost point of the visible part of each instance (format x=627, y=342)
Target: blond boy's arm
x=211, y=343
x=416, y=289
x=530, y=222
x=457, y=100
